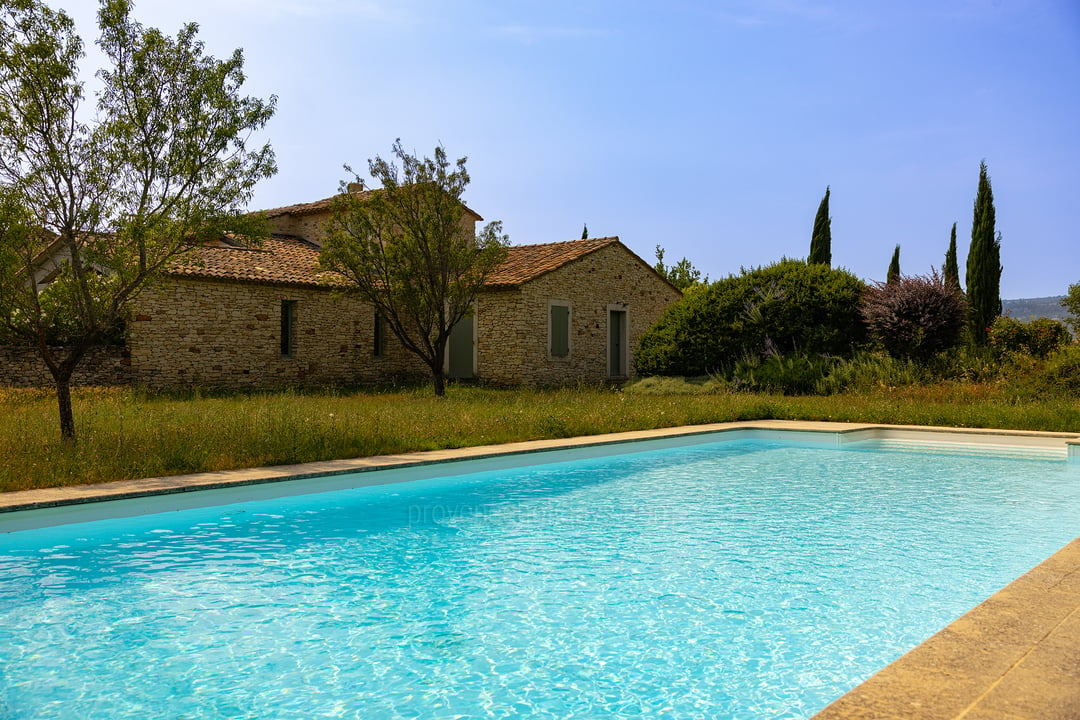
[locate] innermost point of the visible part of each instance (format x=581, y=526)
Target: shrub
x=1057, y=377
x=793, y=374
x=869, y=372
x=914, y=317
x=1040, y=337
x=782, y=308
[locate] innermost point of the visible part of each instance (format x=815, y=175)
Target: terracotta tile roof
x=287, y=260
x=280, y=260
x=527, y=262
x=323, y=205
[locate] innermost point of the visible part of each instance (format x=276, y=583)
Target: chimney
x=355, y=187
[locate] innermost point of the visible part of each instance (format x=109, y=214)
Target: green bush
x=783, y=374
x=872, y=371
x=1057, y=377
x=1039, y=338
x=784, y=308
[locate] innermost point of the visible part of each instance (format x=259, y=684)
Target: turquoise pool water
x=737, y=579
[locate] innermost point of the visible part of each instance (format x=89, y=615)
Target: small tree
x=682, y=274
x=406, y=249
x=585, y=232
x=821, y=240
x=914, y=317
x=894, y=267
x=163, y=161
x=983, y=262
x=952, y=268
x=1071, y=302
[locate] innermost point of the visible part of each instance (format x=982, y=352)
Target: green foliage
x=585, y=231
x=1071, y=302
x=791, y=374
x=821, y=240
x=1058, y=377
x=952, y=268
x=983, y=263
x=682, y=274
x=893, y=276
x=113, y=199
x=1038, y=338
x=57, y=298
x=914, y=317
x=871, y=372
x=789, y=306
x=409, y=250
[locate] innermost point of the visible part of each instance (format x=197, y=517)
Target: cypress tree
x=821, y=241
x=894, y=267
x=952, y=269
x=585, y=232
x=983, y=262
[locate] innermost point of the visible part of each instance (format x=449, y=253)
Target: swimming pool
x=742, y=578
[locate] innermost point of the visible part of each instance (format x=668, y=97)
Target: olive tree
x=114, y=195
x=407, y=249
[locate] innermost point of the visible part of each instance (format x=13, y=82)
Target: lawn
x=127, y=433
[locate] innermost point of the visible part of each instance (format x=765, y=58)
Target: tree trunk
x=440, y=382
x=62, y=371
x=63, y=401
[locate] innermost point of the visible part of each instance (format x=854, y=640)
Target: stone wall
x=187, y=332
x=203, y=333
x=21, y=366
x=513, y=336
x=310, y=227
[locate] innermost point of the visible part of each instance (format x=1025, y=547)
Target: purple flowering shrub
x=916, y=316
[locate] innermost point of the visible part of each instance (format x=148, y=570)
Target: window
x=558, y=329
x=377, y=341
x=288, y=328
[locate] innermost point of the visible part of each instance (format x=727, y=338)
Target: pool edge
x=1015, y=655
x=845, y=433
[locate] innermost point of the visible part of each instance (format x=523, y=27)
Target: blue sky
x=710, y=128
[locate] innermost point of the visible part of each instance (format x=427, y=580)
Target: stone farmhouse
x=236, y=316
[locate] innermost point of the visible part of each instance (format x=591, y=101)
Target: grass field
x=127, y=433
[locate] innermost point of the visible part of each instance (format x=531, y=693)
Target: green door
x=460, y=350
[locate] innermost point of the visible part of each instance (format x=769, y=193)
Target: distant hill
x=1028, y=308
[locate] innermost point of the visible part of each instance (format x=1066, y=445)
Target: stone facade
x=220, y=334
x=513, y=325
x=21, y=366
x=236, y=317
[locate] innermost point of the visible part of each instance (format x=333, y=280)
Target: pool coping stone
x=1015, y=655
